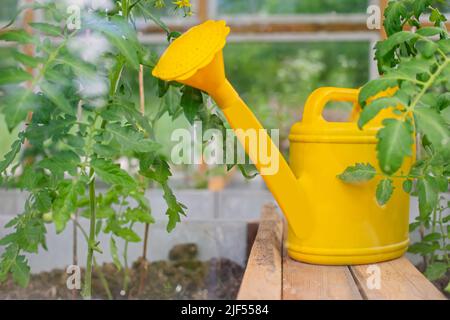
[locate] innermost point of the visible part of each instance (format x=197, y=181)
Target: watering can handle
x=319, y=99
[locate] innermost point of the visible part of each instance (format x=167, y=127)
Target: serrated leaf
x=21, y=271
x=47, y=28
x=374, y=87
x=139, y=215
x=132, y=140
x=436, y=270
x=426, y=48
x=384, y=191
x=393, y=41
x=191, y=101
x=371, y=110
x=360, y=172
x=394, y=144
x=65, y=204
x=20, y=36
x=13, y=75
x=431, y=123
x=394, y=12
x=428, y=195
x=57, y=97
x=111, y=173
x=429, y=31
x=11, y=155
x=171, y=101
x=63, y=161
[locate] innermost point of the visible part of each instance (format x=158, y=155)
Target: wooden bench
x=272, y=275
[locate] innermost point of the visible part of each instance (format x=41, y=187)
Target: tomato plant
x=415, y=64
x=80, y=119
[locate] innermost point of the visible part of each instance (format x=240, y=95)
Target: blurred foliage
x=291, y=6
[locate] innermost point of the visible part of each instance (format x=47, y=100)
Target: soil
x=183, y=276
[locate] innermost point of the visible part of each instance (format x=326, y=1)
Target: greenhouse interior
x=225, y=150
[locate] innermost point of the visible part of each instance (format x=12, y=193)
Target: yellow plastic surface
x=330, y=222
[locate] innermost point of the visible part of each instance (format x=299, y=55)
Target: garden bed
x=182, y=276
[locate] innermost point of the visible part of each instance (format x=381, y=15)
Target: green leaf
x=139, y=215
x=11, y=155
x=25, y=59
x=114, y=253
x=174, y=208
x=13, y=75
x=407, y=185
x=120, y=35
x=444, y=45
x=172, y=101
x=384, y=191
x=60, y=162
x=420, y=6
x=423, y=248
x=435, y=236
x=21, y=271
x=436, y=270
x=127, y=234
x=384, y=47
x=16, y=106
x=20, y=36
x=431, y=124
x=57, y=97
x=360, y=172
x=428, y=195
x=111, y=173
x=371, y=110
x=46, y=28
x=374, y=87
x=413, y=226
x=394, y=12
x=78, y=66
x=426, y=48
x=191, y=101
x=132, y=140
x=394, y=144
x=429, y=31
x=65, y=204
x=148, y=14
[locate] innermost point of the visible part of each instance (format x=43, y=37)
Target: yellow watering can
x=329, y=222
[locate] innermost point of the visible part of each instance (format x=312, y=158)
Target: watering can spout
x=195, y=59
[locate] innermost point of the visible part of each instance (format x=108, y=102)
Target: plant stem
x=91, y=241
x=103, y=280
x=75, y=249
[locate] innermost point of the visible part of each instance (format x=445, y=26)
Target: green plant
x=415, y=65
x=77, y=133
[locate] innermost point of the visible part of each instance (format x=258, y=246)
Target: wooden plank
x=399, y=280
x=303, y=281
x=262, y=278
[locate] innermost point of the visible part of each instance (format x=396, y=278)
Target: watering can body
x=346, y=225
x=329, y=222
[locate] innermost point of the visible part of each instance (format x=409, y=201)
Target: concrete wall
x=215, y=221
